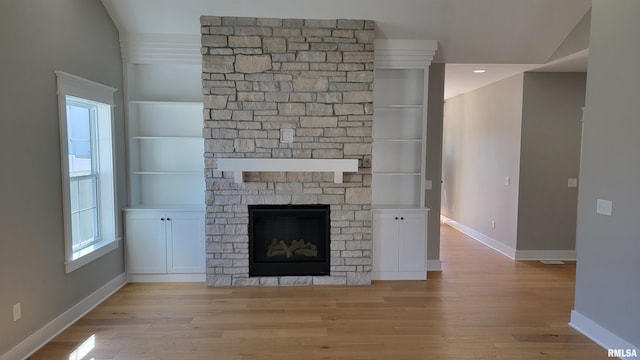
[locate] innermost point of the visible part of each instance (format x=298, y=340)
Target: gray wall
x=481, y=148
x=607, y=286
x=550, y=155
x=434, y=156
x=38, y=37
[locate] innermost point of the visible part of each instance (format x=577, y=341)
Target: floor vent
x=552, y=262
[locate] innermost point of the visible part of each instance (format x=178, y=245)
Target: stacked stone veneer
x=313, y=76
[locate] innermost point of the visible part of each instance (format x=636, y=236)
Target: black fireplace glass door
x=288, y=240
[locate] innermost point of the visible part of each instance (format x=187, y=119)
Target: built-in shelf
x=239, y=166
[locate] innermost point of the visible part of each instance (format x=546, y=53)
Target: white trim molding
x=598, y=334
x=434, y=265
x=73, y=85
x=238, y=166
x=481, y=238
x=398, y=275
x=406, y=54
x=513, y=254
x=45, y=334
x=154, y=278
x=569, y=255
x=138, y=48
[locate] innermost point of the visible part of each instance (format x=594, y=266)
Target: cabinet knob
x=168, y=219
x=162, y=219
x=401, y=218
x=396, y=218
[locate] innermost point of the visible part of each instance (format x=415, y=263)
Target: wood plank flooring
x=482, y=306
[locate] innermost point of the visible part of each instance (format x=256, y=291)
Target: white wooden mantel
x=239, y=165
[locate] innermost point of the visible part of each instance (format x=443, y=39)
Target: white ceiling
x=505, y=33
x=460, y=78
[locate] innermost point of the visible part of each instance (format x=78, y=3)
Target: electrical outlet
x=604, y=207
x=572, y=182
x=507, y=180
x=493, y=224
x=17, y=312
x=428, y=185
x=286, y=135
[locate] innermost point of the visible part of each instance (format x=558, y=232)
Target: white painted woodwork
x=399, y=244
x=400, y=122
x=186, y=242
x=147, y=48
x=163, y=78
x=398, y=165
x=164, y=242
x=385, y=243
x=164, y=127
x=336, y=166
x=412, y=243
x=404, y=54
x=146, y=243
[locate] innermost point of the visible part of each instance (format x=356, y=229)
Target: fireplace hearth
x=289, y=240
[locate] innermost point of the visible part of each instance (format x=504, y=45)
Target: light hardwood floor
x=482, y=306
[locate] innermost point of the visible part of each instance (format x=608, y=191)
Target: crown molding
x=404, y=53
x=137, y=48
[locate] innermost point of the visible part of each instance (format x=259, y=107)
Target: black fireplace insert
x=289, y=240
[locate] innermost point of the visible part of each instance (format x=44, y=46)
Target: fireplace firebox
x=289, y=240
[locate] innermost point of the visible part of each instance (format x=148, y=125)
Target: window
x=88, y=177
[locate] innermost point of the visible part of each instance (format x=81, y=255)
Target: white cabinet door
x=385, y=242
x=146, y=243
x=186, y=250
x=399, y=244
x=412, y=242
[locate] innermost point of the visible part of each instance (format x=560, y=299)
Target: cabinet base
x=398, y=275
x=166, y=278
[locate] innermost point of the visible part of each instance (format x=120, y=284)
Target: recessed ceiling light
x=479, y=71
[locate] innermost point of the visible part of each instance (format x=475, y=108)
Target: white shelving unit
x=164, y=222
x=166, y=165
x=399, y=159
x=399, y=138
x=165, y=154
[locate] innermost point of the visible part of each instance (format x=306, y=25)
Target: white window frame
x=70, y=87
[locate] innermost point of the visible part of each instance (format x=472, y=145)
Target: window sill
x=87, y=255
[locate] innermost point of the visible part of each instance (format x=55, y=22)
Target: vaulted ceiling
x=468, y=31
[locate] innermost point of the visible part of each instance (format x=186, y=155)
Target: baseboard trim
x=434, y=265
x=598, y=334
x=569, y=255
x=481, y=238
x=398, y=275
x=166, y=278
x=45, y=334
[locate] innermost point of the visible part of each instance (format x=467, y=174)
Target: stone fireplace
x=313, y=78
